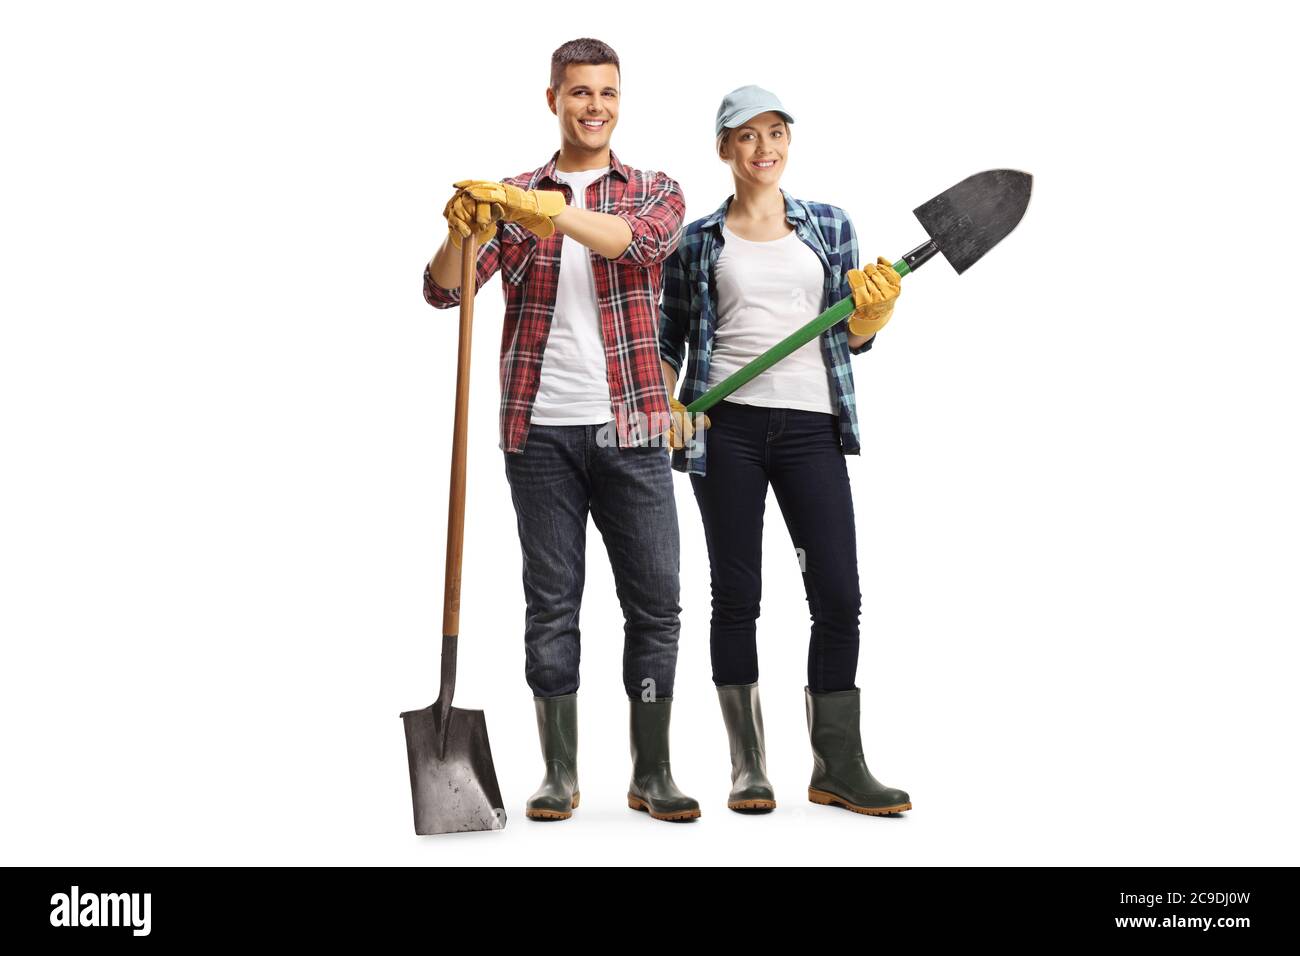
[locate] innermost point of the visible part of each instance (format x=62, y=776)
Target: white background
x=226, y=423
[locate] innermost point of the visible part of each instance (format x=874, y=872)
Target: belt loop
x=775, y=422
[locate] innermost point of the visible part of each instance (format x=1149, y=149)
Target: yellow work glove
x=466, y=215
x=531, y=208
x=681, y=424
x=875, y=288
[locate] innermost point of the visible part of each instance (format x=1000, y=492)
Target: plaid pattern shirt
x=690, y=305
x=627, y=299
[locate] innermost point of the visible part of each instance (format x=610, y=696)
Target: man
x=580, y=244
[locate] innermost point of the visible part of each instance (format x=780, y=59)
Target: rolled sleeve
x=489, y=260
x=436, y=295
x=656, y=225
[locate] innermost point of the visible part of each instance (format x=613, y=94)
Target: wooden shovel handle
x=460, y=434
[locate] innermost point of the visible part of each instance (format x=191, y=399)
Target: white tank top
x=766, y=290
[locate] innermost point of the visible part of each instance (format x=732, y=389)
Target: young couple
x=587, y=247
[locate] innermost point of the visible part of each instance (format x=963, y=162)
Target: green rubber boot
x=557, y=726
x=840, y=776
x=750, y=788
x=652, y=788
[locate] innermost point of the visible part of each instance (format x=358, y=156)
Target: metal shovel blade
x=972, y=217
x=453, y=783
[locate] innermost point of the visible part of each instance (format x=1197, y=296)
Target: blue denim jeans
x=563, y=473
x=798, y=453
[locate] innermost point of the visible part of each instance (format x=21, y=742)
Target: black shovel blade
x=972, y=217
x=453, y=782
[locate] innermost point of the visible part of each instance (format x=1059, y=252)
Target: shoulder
x=654, y=186
x=525, y=180
x=651, y=177
x=696, y=228
x=824, y=213
x=831, y=221
x=692, y=240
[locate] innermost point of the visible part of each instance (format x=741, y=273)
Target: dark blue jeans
x=563, y=473
x=799, y=454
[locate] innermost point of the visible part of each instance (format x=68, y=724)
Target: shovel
x=453, y=782
x=963, y=222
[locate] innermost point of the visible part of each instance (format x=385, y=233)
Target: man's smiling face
x=586, y=105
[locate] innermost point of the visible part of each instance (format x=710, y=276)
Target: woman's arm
x=849, y=255
x=674, y=315
x=670, y=377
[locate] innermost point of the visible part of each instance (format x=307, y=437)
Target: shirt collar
x=794, y=211
x=548, y=171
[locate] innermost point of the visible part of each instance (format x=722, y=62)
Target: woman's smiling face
x=756, y=150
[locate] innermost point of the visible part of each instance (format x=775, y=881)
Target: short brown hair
x=582, y=50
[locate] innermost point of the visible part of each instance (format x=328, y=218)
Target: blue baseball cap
x=744, y=104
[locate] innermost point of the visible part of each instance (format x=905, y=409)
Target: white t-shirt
x=573, y=388
x=767, y=290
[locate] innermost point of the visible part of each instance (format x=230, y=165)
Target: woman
x=742, y=279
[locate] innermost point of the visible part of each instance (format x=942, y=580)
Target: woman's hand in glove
x=682, y=426
x=875, y=288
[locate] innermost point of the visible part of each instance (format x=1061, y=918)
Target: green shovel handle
x=797, y=339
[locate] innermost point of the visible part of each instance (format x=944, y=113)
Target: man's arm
x=442, y=274
x=644, y=237
x=656, y=225
x=444, y=267
x=600, y=232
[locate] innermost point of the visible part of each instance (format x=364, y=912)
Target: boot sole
x=751, y=805
x=831, y=800
x=540, y=814
x=636, y=803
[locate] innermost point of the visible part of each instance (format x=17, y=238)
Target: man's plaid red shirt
x=627, y=299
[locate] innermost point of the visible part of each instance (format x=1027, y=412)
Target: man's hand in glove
x=531, y=208
x=682, y=429
x=465, y=215
x=875, y=288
